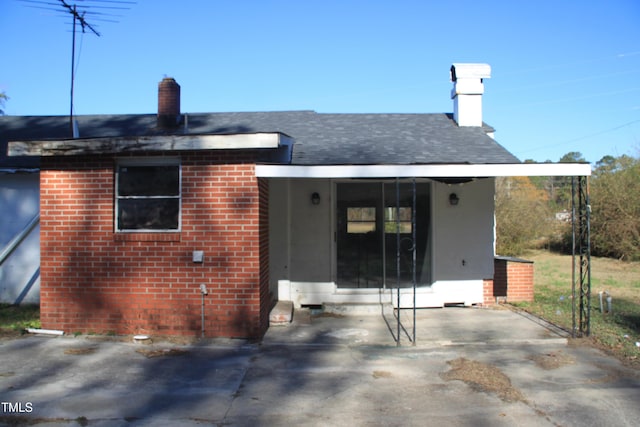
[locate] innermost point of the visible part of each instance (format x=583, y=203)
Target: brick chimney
x=467, y=92
x=168, y=103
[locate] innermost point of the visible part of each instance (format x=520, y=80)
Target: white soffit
x=88, y=146
x=425, y=171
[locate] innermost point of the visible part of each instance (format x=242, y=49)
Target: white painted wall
x=300, y=232
x=301, y=247
x=463, y=234
x=279, y=219
x=311, y=234
x=19, y=203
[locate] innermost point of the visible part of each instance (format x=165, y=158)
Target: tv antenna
x=81, y=12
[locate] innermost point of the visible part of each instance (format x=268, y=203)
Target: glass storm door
x=374, y=220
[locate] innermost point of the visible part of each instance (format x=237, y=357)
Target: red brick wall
x=513, y=279
x=95, y=280
x=487, y=292
x=267, y=299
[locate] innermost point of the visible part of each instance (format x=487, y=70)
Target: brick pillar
x=487, y=292
x=513, y=279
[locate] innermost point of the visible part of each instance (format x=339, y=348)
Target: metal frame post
x=413, y=263
x=398, y=255
x=399, y=326
x=581, y=250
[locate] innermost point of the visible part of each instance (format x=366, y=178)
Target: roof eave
x=114, y=145
x=425, y=171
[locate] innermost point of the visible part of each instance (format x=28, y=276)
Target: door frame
x=429, y=252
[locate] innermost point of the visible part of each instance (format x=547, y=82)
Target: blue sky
x=565, y=73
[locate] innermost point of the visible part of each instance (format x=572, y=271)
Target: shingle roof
x=320, y=139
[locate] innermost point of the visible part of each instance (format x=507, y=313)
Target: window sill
x=147, y=237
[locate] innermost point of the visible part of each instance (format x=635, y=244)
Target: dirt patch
x=10, y=333
x=176, y=340
x=483, y=377
x=632, y=362
x=553, y=360
x=19, y=421
x=328, y=314
x=381, y=374
x=151, y=353
x=80, y=351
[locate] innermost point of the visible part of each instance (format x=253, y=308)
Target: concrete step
x=282, y=313
x=354, y=309
x=302, y=316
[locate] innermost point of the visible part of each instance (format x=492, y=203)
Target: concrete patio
x=324, y=369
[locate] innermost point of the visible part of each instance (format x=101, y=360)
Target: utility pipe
x=608, y=299
x=45, y=331
x=203, y=292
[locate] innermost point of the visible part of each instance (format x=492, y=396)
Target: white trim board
x=88, y=146
x=426, y=171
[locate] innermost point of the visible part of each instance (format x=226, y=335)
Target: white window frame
x=147, y=161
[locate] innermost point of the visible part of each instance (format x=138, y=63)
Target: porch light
x=315, y=198
x=453, y=199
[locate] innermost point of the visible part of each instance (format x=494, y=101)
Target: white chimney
x=467, y=92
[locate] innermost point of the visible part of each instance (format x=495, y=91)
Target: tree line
x=535, y=212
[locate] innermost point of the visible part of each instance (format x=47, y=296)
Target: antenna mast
x=79, y=15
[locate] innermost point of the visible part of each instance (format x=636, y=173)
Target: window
x=391, y=222
x=361, y=220
x=148, y=195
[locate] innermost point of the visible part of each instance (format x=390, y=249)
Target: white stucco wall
x=279, y=218
x=463, y=234
x=300, y=232
x=311, y=231
x=19, y=203
x=302, y=247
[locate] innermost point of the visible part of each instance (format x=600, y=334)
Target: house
x=183, y=224
x=19, y=228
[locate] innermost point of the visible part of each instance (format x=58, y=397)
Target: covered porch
x=406, y=235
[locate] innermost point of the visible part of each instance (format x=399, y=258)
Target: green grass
x=15, y=319
x=616, y=332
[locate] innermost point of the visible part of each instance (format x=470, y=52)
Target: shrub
x=523, y=215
